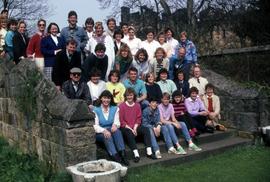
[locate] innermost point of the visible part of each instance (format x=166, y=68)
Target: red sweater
x=130, y=115
x=34, y=46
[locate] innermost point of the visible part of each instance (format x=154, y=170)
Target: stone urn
x=99, y=171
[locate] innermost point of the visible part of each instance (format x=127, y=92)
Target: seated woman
x=152, y=88
x=168, y=123
x=123, y=61
x=115, y=87
x=96, y=86
x=130, y=119
x=141, y=63
x=165, y=84
x=106, y=127
x=160, y=61
x=151, y=120
x=212, y=104
x=197, y=111
x=180, y=112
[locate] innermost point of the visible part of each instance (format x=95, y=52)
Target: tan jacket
x=216, y=103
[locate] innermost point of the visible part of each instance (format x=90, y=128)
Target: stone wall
x=242, y=108
x=243, y=65
x=41, y=120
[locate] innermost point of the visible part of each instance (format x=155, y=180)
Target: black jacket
x=93, y=62
x=82, y=92
x=20, y=43
x=61, y=69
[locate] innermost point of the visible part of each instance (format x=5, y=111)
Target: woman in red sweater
x=130, y=120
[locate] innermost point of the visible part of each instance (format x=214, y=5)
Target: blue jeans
x=169, y=135
x=185, y=131
x=114, y=143
x=154, y=143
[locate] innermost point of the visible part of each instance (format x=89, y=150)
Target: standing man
x=33, y=50
x=198, y=81
x=75, y=32
x=65, y=60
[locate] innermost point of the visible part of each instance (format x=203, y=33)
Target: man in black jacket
x=76, y=89
x=64, y=61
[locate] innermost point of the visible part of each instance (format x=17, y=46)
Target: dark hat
x=75, y=70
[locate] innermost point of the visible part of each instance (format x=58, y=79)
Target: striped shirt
x=179, y=108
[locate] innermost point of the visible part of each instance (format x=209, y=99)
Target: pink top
x=130, y=114
x=166, y=112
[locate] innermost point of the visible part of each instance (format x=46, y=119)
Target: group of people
x=135, y=88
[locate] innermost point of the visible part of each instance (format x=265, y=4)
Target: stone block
x=58, y=135
x=36, y=128
x=246, y=121
x=80, y=154
x=47, y=132
x=79, y=137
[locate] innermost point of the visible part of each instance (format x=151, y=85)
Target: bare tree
x=26, y=9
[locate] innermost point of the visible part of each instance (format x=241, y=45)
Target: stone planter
x=99, y=171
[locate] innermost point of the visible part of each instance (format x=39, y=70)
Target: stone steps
x=209, y=149
x=211, y=144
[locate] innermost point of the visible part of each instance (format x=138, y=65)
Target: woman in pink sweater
x=130, y=120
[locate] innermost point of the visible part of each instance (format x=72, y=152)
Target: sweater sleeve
x=31, y=46
x=139, y=114
x=123, y=122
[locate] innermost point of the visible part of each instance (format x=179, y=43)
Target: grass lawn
x=251, y=163
x=247, y=164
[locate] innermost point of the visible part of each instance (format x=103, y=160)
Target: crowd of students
x=135, y=88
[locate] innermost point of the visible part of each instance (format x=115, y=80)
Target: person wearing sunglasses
x=65, y=60
x=76, y=89
x=33, y=50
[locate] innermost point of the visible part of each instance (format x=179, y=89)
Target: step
x=209, y=149
x=203, y=138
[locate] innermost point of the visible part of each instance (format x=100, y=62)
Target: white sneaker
x=158, y=155
x=172, y=150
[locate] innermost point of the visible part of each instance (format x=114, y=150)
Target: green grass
x=247, y=164
x=16, y=166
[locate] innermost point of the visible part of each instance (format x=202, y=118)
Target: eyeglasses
x=76, y=74
x=41, y=25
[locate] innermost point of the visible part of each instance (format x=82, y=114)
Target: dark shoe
x=152, y=156
x=136, y=159
x=116, y=158
x=124, y=158
x=209, y=129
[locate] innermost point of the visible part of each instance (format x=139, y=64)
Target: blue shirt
x=138, y=86
x=78, y=34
